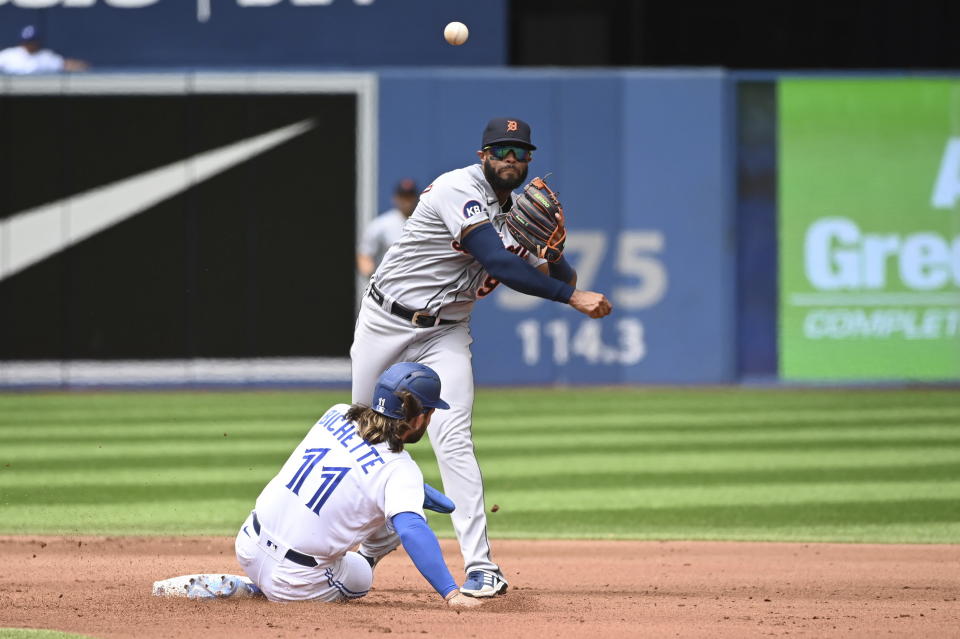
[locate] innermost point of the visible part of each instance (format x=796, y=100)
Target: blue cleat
x=481, y=583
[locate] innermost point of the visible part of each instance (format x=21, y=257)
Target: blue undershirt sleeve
x=485, y=245
x=424, y=549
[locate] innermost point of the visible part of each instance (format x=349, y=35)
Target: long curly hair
x=376, y=428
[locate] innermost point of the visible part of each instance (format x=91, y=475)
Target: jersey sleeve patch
x=471, y=208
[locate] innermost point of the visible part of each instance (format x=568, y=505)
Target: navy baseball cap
x=406, y=186
x=29, y=33
x=419, y=380
x=507, y=131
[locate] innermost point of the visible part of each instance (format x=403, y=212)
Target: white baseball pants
x=280, y=579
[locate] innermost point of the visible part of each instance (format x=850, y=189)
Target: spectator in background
x=385, y=229
x=30, y=57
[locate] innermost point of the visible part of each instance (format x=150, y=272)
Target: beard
x=503, y=184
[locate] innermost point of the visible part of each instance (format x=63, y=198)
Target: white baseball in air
x=456, y=33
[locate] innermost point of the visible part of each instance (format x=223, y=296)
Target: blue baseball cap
x=507, y=131
x=29, y=33
x=406, y=186
x=419, y=380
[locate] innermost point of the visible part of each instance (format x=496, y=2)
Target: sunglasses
x=501, y=152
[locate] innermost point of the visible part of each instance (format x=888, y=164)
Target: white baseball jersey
x=335, y=490
x=380, y=234
x=427, y=269
x=19, y=61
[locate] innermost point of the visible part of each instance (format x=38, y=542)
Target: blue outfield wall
x=643, y=162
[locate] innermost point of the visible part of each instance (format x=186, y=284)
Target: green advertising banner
x=869, y=229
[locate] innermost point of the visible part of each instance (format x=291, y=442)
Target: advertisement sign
x=869, y=194
x=184, y=231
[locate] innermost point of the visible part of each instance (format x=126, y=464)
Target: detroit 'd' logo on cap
x=471, y=208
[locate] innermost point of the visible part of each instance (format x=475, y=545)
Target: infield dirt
x=101, y=586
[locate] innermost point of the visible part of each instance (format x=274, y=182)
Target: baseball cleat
x=205, y=586
x=481, y=583
x=210, y=587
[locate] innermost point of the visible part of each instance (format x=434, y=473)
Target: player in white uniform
x=385, y=229
x=350, y=482
x=29, y=57
x=455, y=248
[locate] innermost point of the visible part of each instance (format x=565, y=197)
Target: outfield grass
x=730, y=463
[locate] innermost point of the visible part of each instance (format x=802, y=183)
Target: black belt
x=292, y=555
x=417, y=318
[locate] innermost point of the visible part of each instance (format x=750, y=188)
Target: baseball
x=456, y=33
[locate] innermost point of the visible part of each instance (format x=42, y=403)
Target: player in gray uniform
x=385, y=229
x=454, y=249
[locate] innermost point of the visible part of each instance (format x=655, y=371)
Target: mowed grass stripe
x=756, y=521
x=518, y=494
x=178, y=477
x=123, y=420
x=157, y=437
x=887, y=532
x=126, y=455
x=199, y=406
x=583, y=464
x=771, y=515
x=798, y=495
x=194, y=517
x=610, y=424
x=152, y=430
x=706, y=421
x=224, y=518
x=613, y=425
x=612, y=416
x=587, y=466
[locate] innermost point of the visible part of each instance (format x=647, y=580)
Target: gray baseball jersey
x=380, y=234
x=427, y=269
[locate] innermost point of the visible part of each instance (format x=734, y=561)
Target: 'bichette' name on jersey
x=426, y=269
x=336, y=489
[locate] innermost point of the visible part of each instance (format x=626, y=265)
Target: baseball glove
x=536, y=221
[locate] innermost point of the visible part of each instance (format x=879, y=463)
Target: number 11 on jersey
x=310, y=459
x=332, y=476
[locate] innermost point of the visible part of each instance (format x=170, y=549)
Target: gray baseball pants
x=381, y=340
